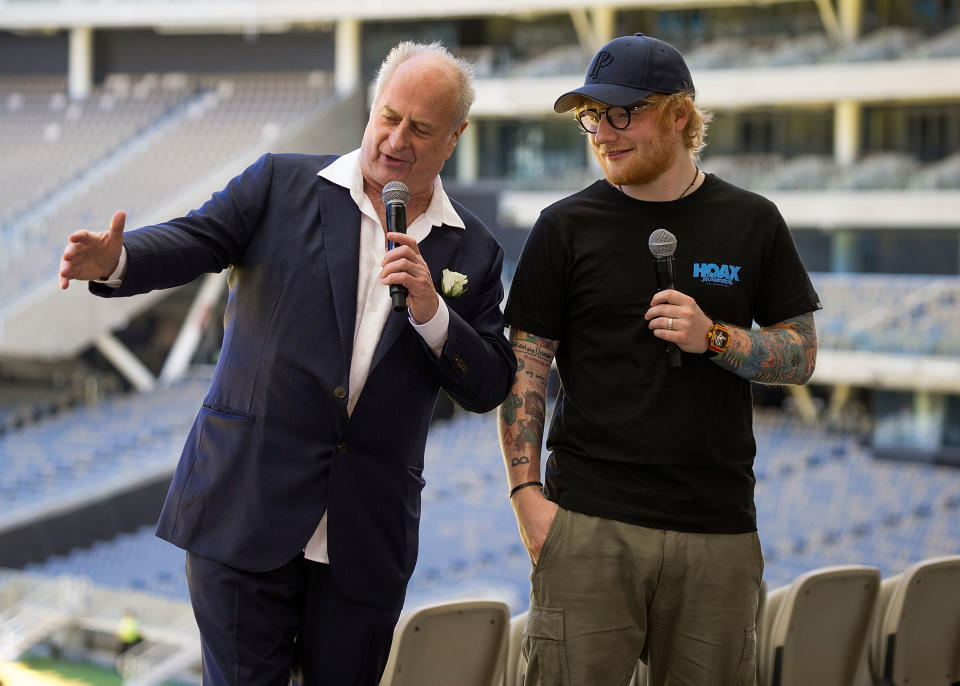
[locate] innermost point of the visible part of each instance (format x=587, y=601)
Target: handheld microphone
x=395, y=196
x=662, y=245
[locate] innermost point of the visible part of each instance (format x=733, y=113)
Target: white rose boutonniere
x=452, y=283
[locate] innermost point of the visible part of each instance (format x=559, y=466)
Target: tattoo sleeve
x=523, y=413
x=785, y=353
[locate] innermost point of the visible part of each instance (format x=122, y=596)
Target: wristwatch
x=717, y=339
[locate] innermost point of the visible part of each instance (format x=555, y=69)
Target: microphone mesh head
x=662, y=243
x=395, y=193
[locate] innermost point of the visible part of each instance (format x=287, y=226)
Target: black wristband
x=524, y=485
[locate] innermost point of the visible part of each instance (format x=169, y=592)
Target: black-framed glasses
x=618, y=116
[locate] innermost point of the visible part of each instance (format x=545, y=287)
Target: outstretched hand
x=92, y=256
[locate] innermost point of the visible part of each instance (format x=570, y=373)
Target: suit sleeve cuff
x=434, y=332
x=115, y=279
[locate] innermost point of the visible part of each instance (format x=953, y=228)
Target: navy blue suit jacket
x=272, y=447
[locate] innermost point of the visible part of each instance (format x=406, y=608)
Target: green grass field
x=41, y=671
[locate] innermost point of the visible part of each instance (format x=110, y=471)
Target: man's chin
x=631, y=175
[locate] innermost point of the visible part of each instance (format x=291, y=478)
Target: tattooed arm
x=521, y=422
x=784, y=353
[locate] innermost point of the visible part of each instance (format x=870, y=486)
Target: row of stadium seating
x=831, y=626
x=841, y=625
x=821, y=500
x=54, y=141
x=888, y=43
x=917, y=315
x=877, y=171
x=777, y=48
x=23, y=405
x=147, y=150
x=122, y=438
x=767, y=172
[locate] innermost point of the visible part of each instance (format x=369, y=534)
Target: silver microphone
x=662, y=245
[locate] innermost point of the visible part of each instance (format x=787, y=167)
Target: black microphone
x=395, y=196
x=662, y=245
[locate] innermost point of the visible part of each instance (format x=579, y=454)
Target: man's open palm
x=91, y=256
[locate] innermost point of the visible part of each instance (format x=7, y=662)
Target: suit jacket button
x=459, y=363
x=340, y=392
x=341, y=447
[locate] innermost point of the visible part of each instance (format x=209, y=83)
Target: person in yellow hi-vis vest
x=128, y=632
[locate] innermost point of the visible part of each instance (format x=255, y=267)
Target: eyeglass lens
x=619, y=118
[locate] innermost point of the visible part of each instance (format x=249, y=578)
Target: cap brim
x=606, y=93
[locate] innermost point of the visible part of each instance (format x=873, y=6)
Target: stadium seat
x=915, y=637
x=516, y=665
x=461, y=643
x=639, y=675
x=815, y=629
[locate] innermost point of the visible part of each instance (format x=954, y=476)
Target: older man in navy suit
x=297, y=496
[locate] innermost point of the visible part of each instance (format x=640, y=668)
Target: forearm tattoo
x=785, y=353
x=523, y=414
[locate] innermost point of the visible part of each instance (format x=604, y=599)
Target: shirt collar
x=345, y=171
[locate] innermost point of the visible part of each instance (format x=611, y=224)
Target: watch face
x=720, y=339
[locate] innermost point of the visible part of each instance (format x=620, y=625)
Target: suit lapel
x=340, y=224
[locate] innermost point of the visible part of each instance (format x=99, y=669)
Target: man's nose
x=605, y=130
x=400, y=136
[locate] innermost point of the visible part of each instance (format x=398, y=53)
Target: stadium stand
x=57, y=139
x=72, y=456
x=143, y=137
x=822, y=499
x=903, y=314
x=820, y=172
x=157, y=136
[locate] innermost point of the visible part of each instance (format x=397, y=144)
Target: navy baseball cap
x=627, y=70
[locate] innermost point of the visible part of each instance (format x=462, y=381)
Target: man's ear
x=681, y=114
x=455, y=137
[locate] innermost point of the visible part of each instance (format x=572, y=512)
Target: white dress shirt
x=373, y=298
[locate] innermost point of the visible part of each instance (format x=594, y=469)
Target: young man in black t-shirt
x=644, y=539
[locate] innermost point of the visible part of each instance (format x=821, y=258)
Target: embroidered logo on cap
x=604, y=59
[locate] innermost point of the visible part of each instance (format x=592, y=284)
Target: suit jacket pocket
x=213, y=487
x=228, y=412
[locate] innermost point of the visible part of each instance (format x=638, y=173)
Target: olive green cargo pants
x=605, y=594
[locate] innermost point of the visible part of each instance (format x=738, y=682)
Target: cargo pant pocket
x=545, y=649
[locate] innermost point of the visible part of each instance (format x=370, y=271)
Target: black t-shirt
x=631, y=438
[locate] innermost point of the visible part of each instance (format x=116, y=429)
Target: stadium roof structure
x=279, y=14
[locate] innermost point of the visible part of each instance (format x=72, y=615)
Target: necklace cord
x=696, y=174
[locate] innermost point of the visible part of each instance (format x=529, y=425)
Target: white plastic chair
x=639, y=677
x=516, y=666
x=815, y=630
x=915, y=638
x=461, y=643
